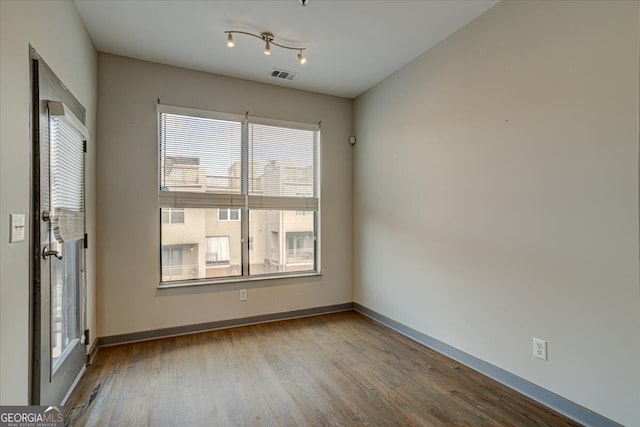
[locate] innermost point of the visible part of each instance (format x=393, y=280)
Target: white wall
x=496, y=196
x=127, y=186
x=55, y=30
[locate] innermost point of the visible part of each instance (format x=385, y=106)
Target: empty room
x=319, y=212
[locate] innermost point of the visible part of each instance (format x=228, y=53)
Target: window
x=180, y=261
x=249, y=188
x=218, y=250
x=299, y=246
x=172, y=216
x=228, y=214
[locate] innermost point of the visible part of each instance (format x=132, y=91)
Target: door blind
x=67, y=140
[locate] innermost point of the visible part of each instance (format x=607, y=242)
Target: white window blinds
x=210, y=160
x=282, y=168
x=67, y=141
x=200, y=160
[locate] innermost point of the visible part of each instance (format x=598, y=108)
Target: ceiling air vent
x=282, y=74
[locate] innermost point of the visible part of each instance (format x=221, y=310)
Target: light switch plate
x=17, y=227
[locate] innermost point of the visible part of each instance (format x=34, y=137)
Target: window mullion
x=316, y=193
x=244, y=184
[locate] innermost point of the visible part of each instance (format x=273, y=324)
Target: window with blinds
x=66, y=162
x=245, y=179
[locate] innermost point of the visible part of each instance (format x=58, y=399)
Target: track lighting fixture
x=268, y=39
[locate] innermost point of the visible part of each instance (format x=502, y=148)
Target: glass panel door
x=58, y=353
x=64, y=284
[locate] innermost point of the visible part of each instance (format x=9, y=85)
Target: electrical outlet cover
x=539, y=349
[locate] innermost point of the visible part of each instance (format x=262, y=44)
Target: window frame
x=229, y=218
x=219, y=263
x=171, y=212
x=247, y=206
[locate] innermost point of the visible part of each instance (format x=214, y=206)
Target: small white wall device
x=352, y=140
x=17, y=227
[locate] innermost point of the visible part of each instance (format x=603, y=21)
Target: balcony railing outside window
x=180, y=272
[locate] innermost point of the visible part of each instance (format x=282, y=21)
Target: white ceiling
x=351, y=44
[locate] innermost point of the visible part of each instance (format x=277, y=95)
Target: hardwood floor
x=337, y=369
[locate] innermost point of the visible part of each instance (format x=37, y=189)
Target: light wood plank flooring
x=337, y=369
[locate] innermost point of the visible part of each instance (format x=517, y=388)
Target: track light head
x=267, y=37
x=230, y=42
x=301, y=59
x=303, y=2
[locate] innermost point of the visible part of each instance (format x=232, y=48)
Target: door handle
x=47, y=253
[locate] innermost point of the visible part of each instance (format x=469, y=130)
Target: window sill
x=205, y=282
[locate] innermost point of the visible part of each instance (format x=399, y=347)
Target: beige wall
x=127, y=165
x=55, y=30
x=496, y=197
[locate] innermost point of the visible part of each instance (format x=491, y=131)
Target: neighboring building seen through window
x=180, y=261
x=274, y=189
x=172, y=216
x=218, y=250
x=228, y=214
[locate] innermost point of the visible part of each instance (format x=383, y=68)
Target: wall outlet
x=243, y=294
x=539, y=349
